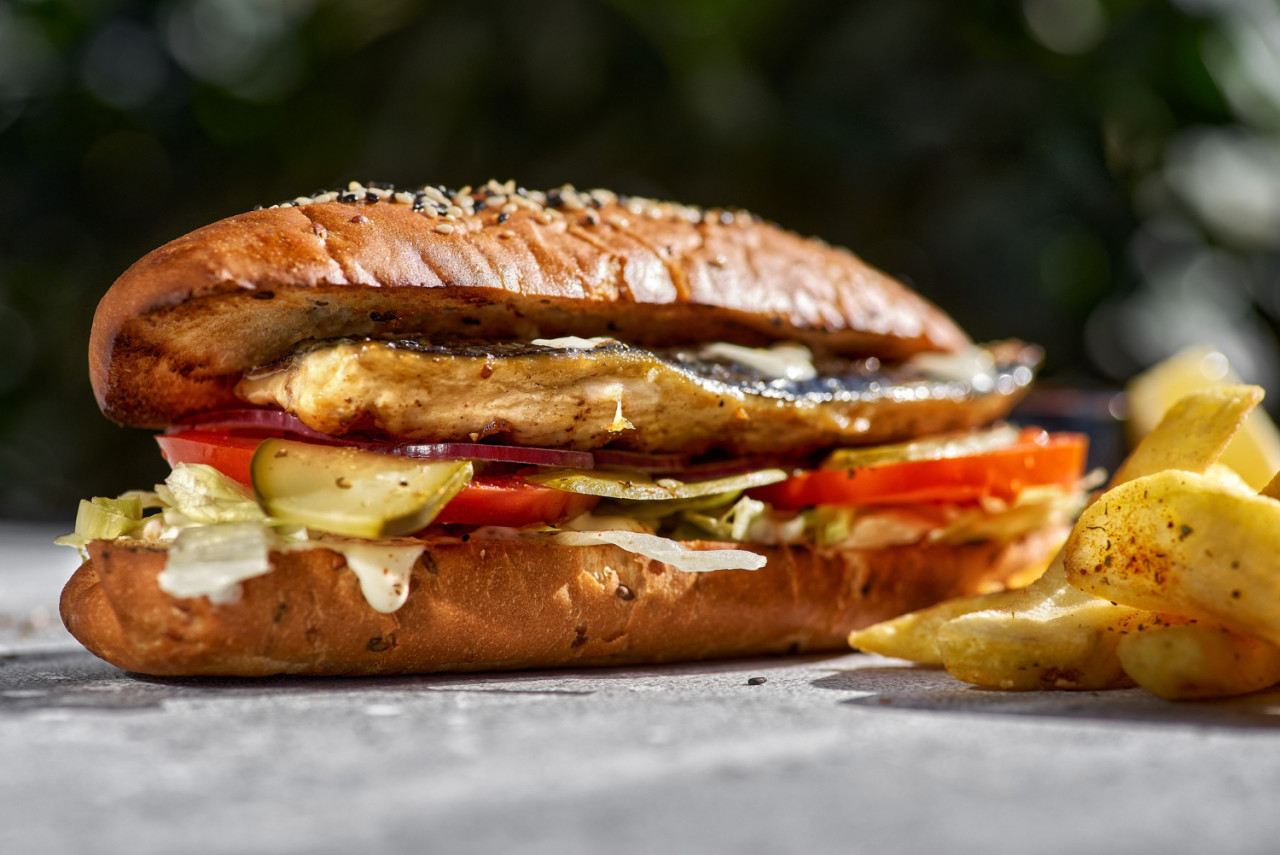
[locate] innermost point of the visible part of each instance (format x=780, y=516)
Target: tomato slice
x=230, y=454
x=512, y=501
x=1036, y=459
x=506, y=500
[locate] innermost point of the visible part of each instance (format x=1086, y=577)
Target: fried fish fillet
x=613, y=394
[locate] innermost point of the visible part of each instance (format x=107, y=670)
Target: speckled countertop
x=846, y=753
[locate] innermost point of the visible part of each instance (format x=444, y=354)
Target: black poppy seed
x=448, y=194
x=348, y=198
x=554, y=199
x=757, y=681
x=380, y=185
x=419, y=205
x=370, y=196
x=625, y=593
x=503, y=217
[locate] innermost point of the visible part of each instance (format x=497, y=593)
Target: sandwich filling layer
x=592, y=393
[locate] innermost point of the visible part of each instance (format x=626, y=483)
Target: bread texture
x=515, y=604
x=178, y=329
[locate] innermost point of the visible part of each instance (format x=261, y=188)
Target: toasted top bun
x=179, y=328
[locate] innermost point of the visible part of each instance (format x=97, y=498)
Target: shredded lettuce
x=669, y=552
x=101, y=518
x=200, y=494
x=736, y=523
x=212, y=560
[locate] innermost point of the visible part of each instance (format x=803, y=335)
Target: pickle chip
x=967, y=444
x=350, y=491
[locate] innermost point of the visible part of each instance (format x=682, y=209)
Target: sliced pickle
x=353, y=492
x=638, y=485
x=936, y=448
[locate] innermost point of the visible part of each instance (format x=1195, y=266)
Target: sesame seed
x=444, y=228
x=549, y=207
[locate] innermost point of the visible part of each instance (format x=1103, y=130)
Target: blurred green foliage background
x=1101, y=176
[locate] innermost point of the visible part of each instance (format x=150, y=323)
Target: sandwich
x=493, y=428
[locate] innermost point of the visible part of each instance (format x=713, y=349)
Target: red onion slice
x=247, y=419
x=479, y=451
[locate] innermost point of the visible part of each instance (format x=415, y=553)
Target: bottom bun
x=506, y=604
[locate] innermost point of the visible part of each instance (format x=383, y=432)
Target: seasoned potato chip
x=1254, y=451
x=1197, y=661
x=1056, y=636
x=1183, y=543
x=914, y=636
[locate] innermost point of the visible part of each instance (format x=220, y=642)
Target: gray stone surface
x=845, y=753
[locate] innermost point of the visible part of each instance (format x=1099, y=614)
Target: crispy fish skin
x=621, y=396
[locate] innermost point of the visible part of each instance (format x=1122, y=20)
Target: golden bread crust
x=507, y=604
x=178, y=328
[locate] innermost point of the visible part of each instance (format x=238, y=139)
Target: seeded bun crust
x=179, y=327
x=501, y=605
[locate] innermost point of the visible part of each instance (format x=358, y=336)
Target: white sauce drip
x=212, y=560
x=783, y=361
x=573, y=342
x=973, y=366
x=383, y=571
